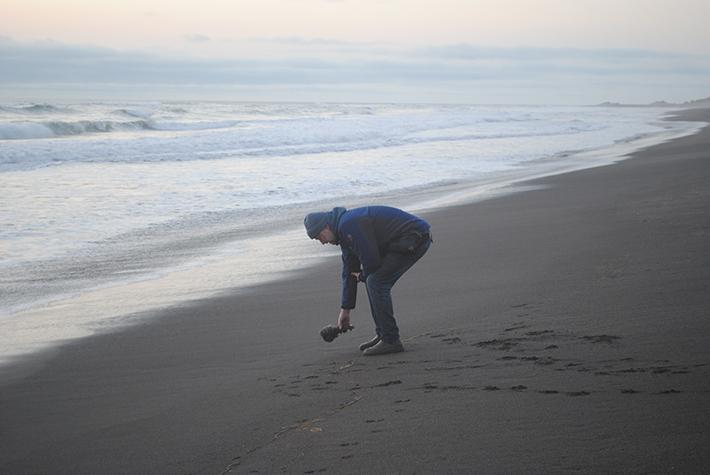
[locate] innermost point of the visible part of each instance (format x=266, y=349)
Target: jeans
x=379, y=289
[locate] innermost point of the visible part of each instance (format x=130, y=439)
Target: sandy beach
x=561, y=329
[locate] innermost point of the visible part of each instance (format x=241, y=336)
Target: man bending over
x=378, y=245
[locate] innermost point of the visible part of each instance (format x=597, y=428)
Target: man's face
x=326, y=236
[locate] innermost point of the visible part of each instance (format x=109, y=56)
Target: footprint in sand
x=609, y=339
x=504, y=344
x=540, y=332
x=452, y=340
x=577, y=393
x=546, y=361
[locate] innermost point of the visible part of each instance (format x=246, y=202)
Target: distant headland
x=689, y=104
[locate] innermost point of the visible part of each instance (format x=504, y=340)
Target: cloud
x=471, y=52
x=44, y=50
x=297, y=40
x=461, y=68
x=197, y=38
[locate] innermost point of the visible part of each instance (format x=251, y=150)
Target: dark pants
x=379, y=289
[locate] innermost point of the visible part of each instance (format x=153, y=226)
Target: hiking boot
x=371, y=343
x=383, y=348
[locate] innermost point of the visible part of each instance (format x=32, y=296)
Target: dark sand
x=557, y=330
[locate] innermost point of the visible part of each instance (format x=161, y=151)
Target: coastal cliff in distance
x=698, y=103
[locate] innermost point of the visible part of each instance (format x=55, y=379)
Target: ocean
x=111, y=210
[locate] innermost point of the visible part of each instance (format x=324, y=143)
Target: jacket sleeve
x=350, y=264
x=361, y=235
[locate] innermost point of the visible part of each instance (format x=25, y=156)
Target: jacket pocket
x=408, y=243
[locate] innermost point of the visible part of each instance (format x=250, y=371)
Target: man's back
x=387, y=223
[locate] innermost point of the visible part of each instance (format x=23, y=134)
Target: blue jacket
x=365, y=236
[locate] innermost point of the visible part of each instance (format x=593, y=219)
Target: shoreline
x=561, y=328
x=167, y=288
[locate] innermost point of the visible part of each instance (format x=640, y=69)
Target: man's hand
x=357, y=275
x=344, y=319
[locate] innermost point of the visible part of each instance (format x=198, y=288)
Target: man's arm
x=349, y=283
x=344, y=318
x=361, y=236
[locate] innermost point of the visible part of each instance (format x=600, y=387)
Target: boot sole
x=367, y=345
x=388, y=351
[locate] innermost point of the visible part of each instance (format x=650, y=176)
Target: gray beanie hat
x=315, y=222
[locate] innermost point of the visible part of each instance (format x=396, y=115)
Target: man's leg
x=379, y=290
x=378, y=329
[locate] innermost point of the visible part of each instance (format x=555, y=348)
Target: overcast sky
x=475, y=51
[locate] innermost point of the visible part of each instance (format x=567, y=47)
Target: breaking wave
x=136, y=112
x=23, y=130
x=35, y=109
x=39, y=130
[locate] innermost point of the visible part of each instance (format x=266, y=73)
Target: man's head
x=327, y=236
x=318, y=227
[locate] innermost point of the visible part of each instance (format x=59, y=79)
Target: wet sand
x=560, y=329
